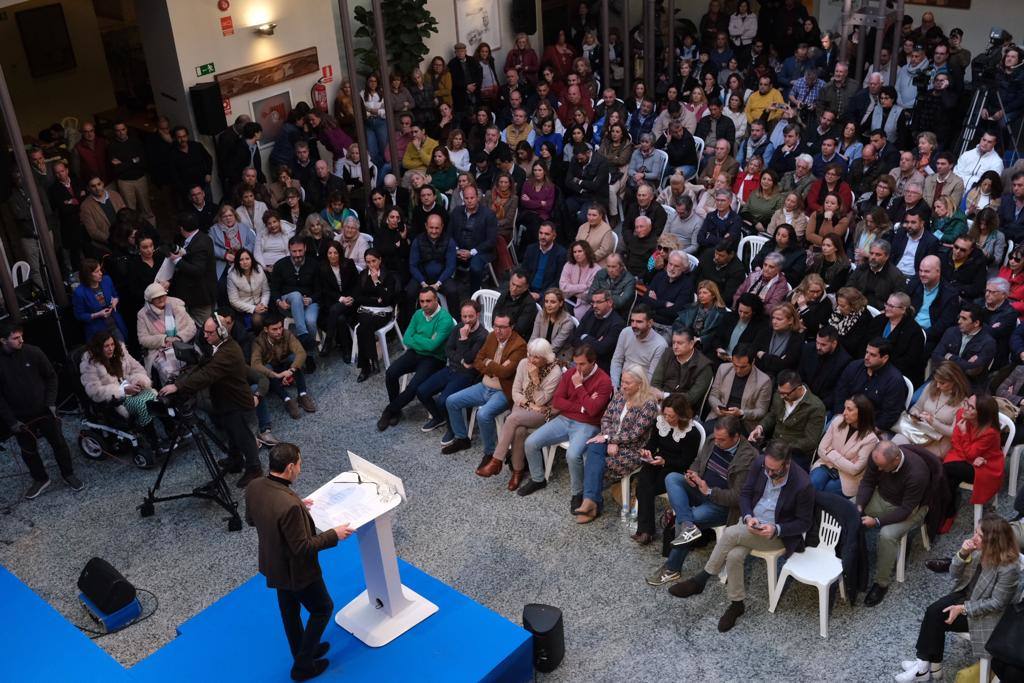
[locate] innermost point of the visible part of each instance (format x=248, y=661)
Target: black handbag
x=1005, y=642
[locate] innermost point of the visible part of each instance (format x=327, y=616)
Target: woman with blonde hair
x=986, y=575
x=554, y=324
x=536, y=379
x=597, y=233
x=874, y=224
x=616, y=450
x=707, y=318
x=948, y=222
x=930, y=422
x=852, y=320
x=504, y=203
x=790, y=212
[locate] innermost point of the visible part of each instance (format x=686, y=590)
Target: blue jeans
x=554, y=432
x=377, y=139
x=433, y=393
x=262, y=411
x=687, y=170
x=594, y=466
x=822, y=482
x=690, y=505
x=490, y=404
x=304, y=316
x=421, y=368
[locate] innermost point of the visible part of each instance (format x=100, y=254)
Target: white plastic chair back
x=1009, y=250
x=874, y=311
x=694, y=262
x=828, y=532
x=615, y=242
x=20, y=272
x=699, y=144
x=369, y=238
x=1005, y=423
x=910, y=393
x=486, y=298
x=749, y=247
x=663, y=155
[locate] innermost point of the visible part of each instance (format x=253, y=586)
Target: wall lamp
x=265, y=29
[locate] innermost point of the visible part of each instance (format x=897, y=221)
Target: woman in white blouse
x=353, y=243
x=376, y=119
x=248, y=289
x=457, y=151
x=250, y=212
x=933, y=414
x=272, y=241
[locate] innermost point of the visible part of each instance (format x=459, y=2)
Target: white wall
x=976, y=21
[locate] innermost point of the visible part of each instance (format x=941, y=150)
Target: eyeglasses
x=1016, y=257
x=665, y=249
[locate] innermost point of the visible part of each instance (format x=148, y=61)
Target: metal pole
x=861, y=48
x=627, y=57
x=876, y=61
x=357, y=101
x=670, y=41
x=844, y=23
x=382, y=59
x=650, y=50
x=897, y=40
x=606, y=63
x=59, y=294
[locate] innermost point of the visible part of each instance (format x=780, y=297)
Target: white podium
x=364, y=498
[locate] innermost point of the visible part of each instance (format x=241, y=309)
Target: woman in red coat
x=976, y=456
x=1013, y=272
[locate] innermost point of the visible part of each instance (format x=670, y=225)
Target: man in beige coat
x=99, y=210
x=749, y=403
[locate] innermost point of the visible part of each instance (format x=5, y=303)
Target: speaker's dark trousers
x=304, y=641
x=44, y=427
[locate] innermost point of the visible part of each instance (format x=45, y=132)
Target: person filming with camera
x=224, y=373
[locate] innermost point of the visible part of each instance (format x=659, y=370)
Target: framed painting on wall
x=271, y=72
x=951, y=4
x=478, y=21
x=44, y=35
x=271, y=113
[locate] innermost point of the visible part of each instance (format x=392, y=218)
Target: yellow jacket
x=418, y=159
x=757, y=103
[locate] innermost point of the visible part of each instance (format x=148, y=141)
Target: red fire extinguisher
x=318, y=93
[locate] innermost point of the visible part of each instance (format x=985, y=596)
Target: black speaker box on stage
x=105, y=586
x=524, y=16
x=208, y=107
x=545, y=623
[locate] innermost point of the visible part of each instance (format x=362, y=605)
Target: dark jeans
x=241, y=442
x=333, y=317
x=44, y=427
x=304, y=641
x=956, y=474
x=366, y=339
x=421, y=367
x=277, y=387
x=650, y=483
x=931, y=639
x=433, y=393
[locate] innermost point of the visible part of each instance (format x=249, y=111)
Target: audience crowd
x=755, y=285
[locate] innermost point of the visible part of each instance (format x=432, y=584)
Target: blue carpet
x=240, y=637
x=38, y=644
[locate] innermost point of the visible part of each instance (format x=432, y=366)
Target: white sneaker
x=914, y=673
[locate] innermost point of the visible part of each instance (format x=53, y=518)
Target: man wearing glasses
x=796, y=417
x=968, y=344
x=964, y=267
x=776, y=508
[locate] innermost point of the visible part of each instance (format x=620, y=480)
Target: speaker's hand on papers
x=343, y=531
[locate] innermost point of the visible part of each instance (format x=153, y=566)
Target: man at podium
x=288, y=547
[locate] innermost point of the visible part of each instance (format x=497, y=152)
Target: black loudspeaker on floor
x=545, y=623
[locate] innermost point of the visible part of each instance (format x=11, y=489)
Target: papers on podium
x=355, y=497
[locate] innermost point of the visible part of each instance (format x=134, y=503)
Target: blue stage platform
x=239, y=638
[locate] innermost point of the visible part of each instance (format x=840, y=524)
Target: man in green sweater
x=796, y=417
x=424, y=340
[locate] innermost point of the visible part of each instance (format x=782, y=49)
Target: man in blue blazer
x=911, y=233
x=968, y=344
x=776, y=508
x=544, y=260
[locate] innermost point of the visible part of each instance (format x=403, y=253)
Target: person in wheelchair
x=112, y=377
x=162, y=321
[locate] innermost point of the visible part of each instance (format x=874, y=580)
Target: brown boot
x=490, y=468
x=516, y=479
x=306, y=401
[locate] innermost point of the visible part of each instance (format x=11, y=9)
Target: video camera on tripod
x=985, y=65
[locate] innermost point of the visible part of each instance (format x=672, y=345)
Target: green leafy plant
x=407, y=24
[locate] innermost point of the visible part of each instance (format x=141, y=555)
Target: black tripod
x=189, y=426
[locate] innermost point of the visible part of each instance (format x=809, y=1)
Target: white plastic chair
x=694, y=262
x=499, y=421
x=615, y=242
x=382, y=341
x=901, y=560
x=549, y=457
x=874, y=311
x=985, y=662
x=663, y=155
x=910, y=392
x=699, y=144
x=20, y=272
x=1013, y=469
x=817, y=566
x=1008, y=425
x=627, y=500
x=1009, y=250
x=749, y=247
x=486, y=298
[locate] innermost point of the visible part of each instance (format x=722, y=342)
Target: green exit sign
x=205, y=69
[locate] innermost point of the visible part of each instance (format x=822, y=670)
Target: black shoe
x=686, y=588
x=231, y=465
x=530, y=486
x=732, y=613
x=310, y=364
x=364, y=374
x=939, y=566
x=73, y=482
x=575, y=503
x=321, y=650
x=875, y=595
x=249, y=476
x=395, y=419
x=385, y=421
x=456, y=446
x=319, y=666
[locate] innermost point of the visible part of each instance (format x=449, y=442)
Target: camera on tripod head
x=985, y=66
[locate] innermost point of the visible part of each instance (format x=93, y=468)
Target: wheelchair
x=104, y=432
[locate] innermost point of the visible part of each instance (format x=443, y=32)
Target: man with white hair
x=999, y=316
x=639, y=243
x=974, y=162
x=323, y=185
x=801, y=178
x=836, y=95
x=671, y=289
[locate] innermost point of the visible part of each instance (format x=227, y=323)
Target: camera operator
x=911, y=77
x=28, y=400
x=1010, y=86
x=933, y=110
x=225, y=373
